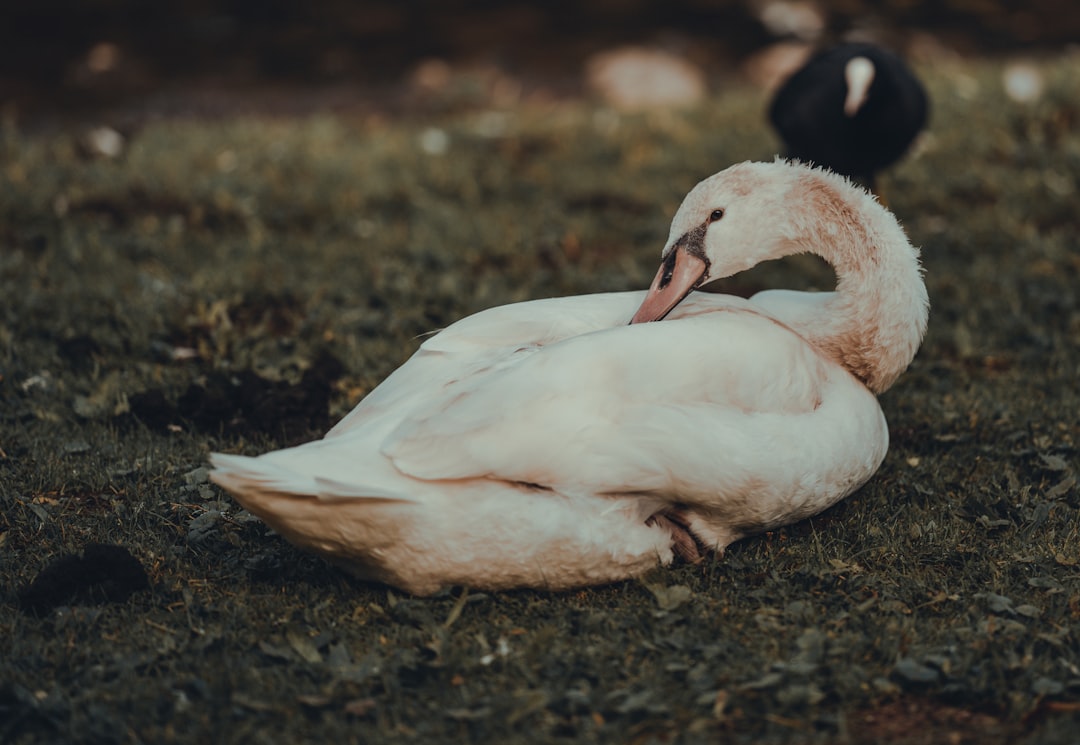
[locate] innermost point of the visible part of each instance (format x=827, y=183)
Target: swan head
x=753, y=212
x=728, y=223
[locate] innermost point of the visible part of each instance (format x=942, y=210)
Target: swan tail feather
x=247, y=478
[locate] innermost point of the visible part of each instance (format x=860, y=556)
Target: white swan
x=550, y=444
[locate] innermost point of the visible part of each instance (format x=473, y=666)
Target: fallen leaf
x=768, y=680
x=914, y=672
x=670, y=598
x=997, y=603
x=239, y=699
x=1054, y=462
x=455, y=612
x=719, y=704
x=1047, y=687
x=359, y=707
x=1061, y=488
x=1029, y=611
x=465, y=715
x=276, y=651
x=303, y=646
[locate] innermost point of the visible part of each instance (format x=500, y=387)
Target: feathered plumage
x=550, y=444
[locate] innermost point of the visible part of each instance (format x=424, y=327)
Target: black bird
x=854, y=108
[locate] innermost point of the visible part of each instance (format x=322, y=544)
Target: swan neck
x=874, y=322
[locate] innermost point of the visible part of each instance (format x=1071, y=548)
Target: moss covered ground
x=237, y=284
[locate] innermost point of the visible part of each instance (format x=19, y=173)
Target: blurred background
x=71, y=57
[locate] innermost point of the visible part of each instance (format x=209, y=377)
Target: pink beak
x=680, y=272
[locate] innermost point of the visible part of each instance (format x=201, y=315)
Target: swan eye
x=716, y=215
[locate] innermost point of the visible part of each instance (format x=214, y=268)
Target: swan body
x=549, y=444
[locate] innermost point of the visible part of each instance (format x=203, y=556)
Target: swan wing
x=659, y=408
x=477, y=343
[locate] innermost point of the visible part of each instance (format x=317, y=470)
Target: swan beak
x=680, y=272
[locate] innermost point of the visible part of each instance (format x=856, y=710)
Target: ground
x=238, y=284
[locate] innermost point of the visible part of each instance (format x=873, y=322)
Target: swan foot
x=684, y=543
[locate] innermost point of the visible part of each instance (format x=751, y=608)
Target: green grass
x=941, y=603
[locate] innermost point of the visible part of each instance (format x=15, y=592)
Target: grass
x=939, y=604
